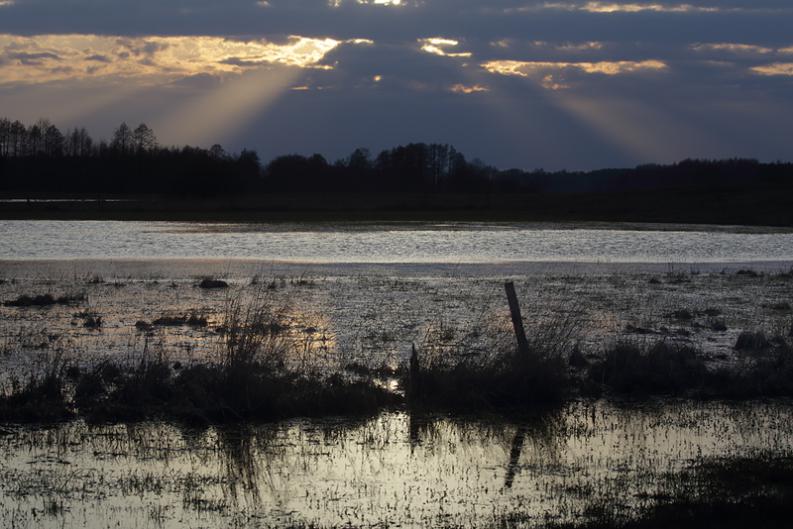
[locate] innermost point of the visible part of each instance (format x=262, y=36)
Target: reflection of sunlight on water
x=381, y=244
x=313, y=340
x=394, y=469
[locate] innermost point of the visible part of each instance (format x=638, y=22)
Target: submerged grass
x=716, y=492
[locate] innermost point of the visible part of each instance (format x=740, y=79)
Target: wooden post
x=517, y=320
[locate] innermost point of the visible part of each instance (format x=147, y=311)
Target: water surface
x=395, y=470
x=391, y=243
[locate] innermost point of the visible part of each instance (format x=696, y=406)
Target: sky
x=516, y=83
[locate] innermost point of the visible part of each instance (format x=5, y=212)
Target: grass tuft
x=629, y=368
x=44, y=300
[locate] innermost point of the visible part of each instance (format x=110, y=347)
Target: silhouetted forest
x=40, y=158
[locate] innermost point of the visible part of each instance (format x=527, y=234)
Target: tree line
x=41, y=158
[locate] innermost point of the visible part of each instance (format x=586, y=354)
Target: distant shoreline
x=762, y=207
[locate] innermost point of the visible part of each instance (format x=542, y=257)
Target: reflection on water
x=393, y=469
x=387, y=243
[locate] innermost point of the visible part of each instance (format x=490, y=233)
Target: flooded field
x=392, y=470
x=373, y=314
x=357, y=300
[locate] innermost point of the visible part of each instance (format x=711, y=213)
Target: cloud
x=646, y=7
x=488, y=75
x=613, y=7
x=531, y=68
x=40, y=58
x=460, y=88
x=783, y=69
x=731, y=47
x=387, y=3
x=440, y=46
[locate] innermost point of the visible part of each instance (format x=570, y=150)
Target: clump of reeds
x=752, y=341
x=39, y=399
x=663, y=367
x=191, y=319
x=210, y=283
x=44, y=300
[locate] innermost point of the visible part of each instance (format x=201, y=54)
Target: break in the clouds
x=514, y=82
x=46, y=58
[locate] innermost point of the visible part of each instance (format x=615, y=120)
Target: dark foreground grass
x=630, y=368
x=507, y=381
x=210, y=393
x=727, y=492
x=248, y=380
x=663, y=368
x=197, y=394
x=38, y=400
x=249, y=383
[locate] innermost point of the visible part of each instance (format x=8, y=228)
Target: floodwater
x=390, y=471
x=391, y=243
x=362, y=293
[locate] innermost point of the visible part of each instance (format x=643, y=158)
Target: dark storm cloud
x=767, y=20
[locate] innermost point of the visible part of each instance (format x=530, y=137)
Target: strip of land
x=761, y=207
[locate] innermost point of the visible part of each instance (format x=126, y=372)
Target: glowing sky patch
x=387, y=3
x=733, y=48
x=440, y=46
x=46, y=58
x=531, y=68
x=551, y=82
x=784, y=69
x=602, y=7
x=573, y=47
x=612, y=7
x=460, y=88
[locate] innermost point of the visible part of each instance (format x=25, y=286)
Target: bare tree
x=53, y=141
x=144, y=138
x=217, y=152
x=123, y=140
x=5, y=137
x=17, y=138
